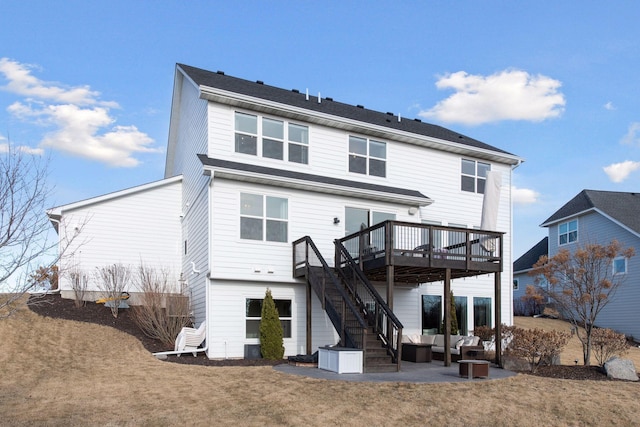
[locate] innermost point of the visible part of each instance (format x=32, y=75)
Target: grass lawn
x=60, y=372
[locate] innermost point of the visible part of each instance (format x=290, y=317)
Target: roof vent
x=295, y=91
x=399, y=118
x=360, y=106
x=329, y=99
x=220, y=72
x=260, y=82
x=418, y=120
x=460, y=136
x=389, y=114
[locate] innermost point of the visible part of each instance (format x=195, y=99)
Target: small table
x=474, y=368
x=417, y=353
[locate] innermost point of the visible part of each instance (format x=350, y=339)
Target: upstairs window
x=367, y=156
x=263, y=218
x=273, y=139
x=620, y=266
x=246, y=134
x=568, y=232
x=298, y=144
x=474, y=176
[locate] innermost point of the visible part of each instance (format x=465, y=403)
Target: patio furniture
x=417, y=352
x=189, y=339
x=473, y=368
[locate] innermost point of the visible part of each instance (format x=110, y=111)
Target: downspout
x=513, y=167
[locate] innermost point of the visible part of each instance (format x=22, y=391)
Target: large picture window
x=253, y=313
x=367, y=156
x=474, y=176
x=273, y=139
x=461, y=314
x=263, y=218
x=481, y=311
x=568, y=232
x=431, y=314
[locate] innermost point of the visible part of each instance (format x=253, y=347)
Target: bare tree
x=79, y=284
x=113, y=280
x=582, y=283
x=162, y=312
x=24, y=226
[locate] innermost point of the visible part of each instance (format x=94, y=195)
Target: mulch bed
x=57, y=307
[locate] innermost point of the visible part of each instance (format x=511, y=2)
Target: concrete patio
x=434, y=372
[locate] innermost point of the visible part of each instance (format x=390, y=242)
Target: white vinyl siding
x=152, y=232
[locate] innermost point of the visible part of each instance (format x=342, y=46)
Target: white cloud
x=82, y=122
x=618, y=172
x=609, y=106
x=632, y=137
x=506, y=95
x=524, y=196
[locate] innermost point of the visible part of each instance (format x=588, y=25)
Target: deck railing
x=396, y=238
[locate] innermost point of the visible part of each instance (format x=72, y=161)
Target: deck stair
x=354, y=307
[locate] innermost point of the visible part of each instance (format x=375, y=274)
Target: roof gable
x=526, y=261
x=619, y=206
x=294, y=98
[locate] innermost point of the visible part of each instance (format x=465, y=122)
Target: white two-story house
x=252, y=170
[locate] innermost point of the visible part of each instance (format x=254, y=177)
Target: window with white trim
x=253, y=314
x=620, y=265
x=273, y=139
x=474, y=176
x=367, y=157
x=263, y=218
x=568, y=232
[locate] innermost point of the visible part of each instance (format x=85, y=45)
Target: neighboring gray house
x=600, y=217
x=521, y=277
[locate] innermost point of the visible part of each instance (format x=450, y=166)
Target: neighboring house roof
x=327, y=106
x=526, y=261
x=324, y=184
x=622, y=208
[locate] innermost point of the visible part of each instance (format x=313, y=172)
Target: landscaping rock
x=621, y=369
x=514, y=364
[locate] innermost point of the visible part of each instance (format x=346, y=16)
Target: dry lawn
x=57, y=372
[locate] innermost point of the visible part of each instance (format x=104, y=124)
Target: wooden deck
x=421, y=253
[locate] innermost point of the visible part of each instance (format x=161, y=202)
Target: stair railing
x=374, y=309
x=343, y=314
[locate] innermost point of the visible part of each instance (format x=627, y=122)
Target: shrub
x=160, y=314
x=113, y=280
x=453, y=319
x=486, y=333
x=271, y=335
x=79, y=284
x=536, y=345
x=607, y=343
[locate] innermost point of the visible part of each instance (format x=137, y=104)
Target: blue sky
x=89, y=84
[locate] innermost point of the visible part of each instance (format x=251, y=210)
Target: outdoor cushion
x=427, y=339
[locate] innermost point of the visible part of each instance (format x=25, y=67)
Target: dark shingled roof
x=328, y=106
x=622, y=207
x=208, y=161
x=526, y=261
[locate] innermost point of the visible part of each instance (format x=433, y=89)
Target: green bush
x=271, y=340
x=453, y=319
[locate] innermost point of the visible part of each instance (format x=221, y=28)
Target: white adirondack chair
x=189, y=339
